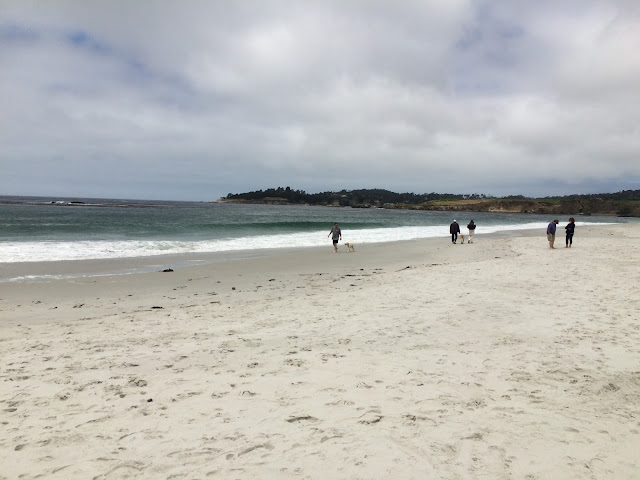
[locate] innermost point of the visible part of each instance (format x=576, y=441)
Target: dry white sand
x=497, y=360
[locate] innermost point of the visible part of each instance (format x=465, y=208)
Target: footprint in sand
x=370, y=417
x=302, y=418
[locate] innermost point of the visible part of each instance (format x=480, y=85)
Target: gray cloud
x=195, y=100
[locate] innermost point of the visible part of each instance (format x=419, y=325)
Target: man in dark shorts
x=337, y=235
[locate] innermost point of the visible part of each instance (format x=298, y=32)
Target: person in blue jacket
x=551, y=233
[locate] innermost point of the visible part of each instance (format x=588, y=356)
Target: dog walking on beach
x=351, y=247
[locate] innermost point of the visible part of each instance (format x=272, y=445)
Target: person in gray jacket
x=336, y=235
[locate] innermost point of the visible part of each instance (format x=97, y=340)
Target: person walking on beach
x=337, y=235
x=551, y=233
x=472, y=228
x=570, y=228
x=454, y=230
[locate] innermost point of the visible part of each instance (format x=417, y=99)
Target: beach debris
x=233, y=288
x=149, y=400
x=167, y=270
x=157, y=307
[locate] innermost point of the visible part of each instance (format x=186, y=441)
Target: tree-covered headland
x=624, y=203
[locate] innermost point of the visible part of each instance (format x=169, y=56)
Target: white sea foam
x=102, y=249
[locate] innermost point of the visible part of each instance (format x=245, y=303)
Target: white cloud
x=198, y=99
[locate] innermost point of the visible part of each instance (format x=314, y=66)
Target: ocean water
x=51, y=229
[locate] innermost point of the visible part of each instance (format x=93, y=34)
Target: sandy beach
x=502, y=359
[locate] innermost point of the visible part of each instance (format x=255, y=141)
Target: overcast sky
x=191, y=100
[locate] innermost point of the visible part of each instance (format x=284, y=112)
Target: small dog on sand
x=351, y=247
x=462, y=237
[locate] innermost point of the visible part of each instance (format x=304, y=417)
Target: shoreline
x=74, y=269
x=418, y=359
x=45, y=271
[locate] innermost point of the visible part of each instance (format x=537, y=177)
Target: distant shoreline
x=623, y=204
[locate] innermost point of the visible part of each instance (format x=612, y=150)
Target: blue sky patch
x=83, y=40
x=17, y=33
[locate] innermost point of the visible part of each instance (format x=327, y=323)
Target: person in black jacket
x=570, y=228
x=472, y=230
x=454, y=230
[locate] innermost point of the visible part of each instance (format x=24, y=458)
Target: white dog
x=351, y=247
